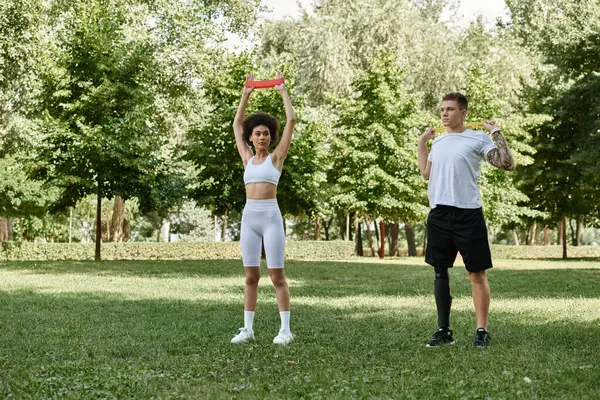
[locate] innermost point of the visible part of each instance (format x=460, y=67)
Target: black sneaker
x=482, y=338
x=443, y=337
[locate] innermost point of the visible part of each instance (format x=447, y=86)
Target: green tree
x=375, y=151
x=103, y=122
x=566, y=33
x=211, y=143
x=21, y=28
x=504, y=203
x=433, y=64
x=563, y=180
x=342, y=38
x=20, y=49
x=19, y=195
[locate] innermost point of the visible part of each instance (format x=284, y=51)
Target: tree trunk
x=170, y=222
x=70, y=224
x=564, y=236
x=21, y=229
x=388, y=236
x=97, y=255
x=573, y=239
x=394, y=239
x=317, y=228
x=106, y=228
x=326, y=226
x=516, y=237
x=578, y=231
x=347, y=226
x=126, y=230
x=10, y=229
x=424, y=240
x=370, y=237
x=533, y=234
x=358, y=236
x=410, y=239
x=48, y=233
x=3, y=230
x=116, y=225
x=224, y=226
x=560, y=233
x=376, y=230
x=351, y=231
x=158, y=233
x=547, y=237
x=382, y=237
x=216, y=228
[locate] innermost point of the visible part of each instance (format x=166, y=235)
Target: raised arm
x=238, y=128
x=283, y=147
x=422, y=153
x=501, y=157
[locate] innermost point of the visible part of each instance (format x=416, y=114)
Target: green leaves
x=136, y=98
x=566, y=33
x=211, y=146
x=104, y=120
x=374, y=161
x=563, y=178
x=212, y=149
x=20, y=195
x=504, y=203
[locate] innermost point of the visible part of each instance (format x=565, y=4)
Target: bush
x=553, y=251
x=301, y=250
x=167, y=251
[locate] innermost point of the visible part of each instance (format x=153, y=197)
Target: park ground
x=161, y=329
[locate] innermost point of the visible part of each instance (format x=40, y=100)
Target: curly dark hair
x=254, y=120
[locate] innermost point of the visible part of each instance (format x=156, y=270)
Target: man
x=455, y=222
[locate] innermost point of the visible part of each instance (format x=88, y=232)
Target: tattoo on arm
x=501, y=157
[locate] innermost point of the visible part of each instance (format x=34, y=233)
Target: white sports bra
x=264, y=172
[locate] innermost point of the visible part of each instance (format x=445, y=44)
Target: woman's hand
x=248, y=90
x=280, y=87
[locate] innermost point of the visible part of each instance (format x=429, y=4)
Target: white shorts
x=262, y=219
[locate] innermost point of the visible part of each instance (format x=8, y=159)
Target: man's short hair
x=460, y=98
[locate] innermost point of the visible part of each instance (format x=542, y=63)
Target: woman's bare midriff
x=261, y=191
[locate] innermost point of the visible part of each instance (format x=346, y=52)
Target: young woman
x=261, y=219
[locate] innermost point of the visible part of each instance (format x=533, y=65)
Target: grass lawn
x=158, y=329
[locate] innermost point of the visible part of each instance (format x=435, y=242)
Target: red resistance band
x=264, y=84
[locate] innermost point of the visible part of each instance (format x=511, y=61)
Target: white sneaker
x=244, y=336
x=283, y=337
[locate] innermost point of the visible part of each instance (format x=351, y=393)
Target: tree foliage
x=375, y=151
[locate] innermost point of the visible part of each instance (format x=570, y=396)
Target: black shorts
x=452, y=229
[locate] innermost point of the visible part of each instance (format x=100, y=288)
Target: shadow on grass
x=399, y=280
x=88, y=346
x=156, y=268
x=339, y=280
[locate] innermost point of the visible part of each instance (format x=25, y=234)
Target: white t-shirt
x=456, y=166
